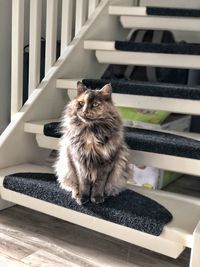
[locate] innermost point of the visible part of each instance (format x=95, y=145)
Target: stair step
x=147, y=88
x=23, y=168
x=165, y=48
x=157, y=18
x=106, y=52
x=149, y=141
x=152, y=148
x=45, y=187
x=154, y=11
x=155, y=96
x=176, y=235
x=177, y=12
x=37, y=126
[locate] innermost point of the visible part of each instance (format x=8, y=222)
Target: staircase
x=32, y=135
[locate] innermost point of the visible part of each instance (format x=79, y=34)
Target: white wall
x=5, y=60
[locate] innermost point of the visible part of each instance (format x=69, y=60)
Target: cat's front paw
x=82, y=200
x=97, y=199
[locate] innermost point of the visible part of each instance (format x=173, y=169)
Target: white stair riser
x=183, y=106
x=47, y=142
x=127, y=10
x=106, y=53
x=166, y=162
x=148, y=59
x=160, y=23
x=137, y=17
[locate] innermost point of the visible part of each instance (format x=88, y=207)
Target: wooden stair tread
x=106, y=53
x=177, y=234
x=168, y=162
x=154, y=11
x=146, y=18
x=153, y=102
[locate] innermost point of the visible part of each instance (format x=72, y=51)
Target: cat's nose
x=85, y=111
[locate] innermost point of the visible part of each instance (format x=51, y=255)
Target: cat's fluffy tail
x=66, y=176
x=121, y=173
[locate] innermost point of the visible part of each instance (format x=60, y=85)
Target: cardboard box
x=152, y=177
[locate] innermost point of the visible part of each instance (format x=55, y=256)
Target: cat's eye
x=95, y=104
x=81, y=103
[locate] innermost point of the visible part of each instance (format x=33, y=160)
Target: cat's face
x=90, y=104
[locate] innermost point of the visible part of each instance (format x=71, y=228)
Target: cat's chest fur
x=90, y=142
x=91, y=145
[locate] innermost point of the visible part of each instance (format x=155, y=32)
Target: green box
x=133, y=114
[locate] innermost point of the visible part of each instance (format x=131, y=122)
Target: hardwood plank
x=68, y=240
x=8, y=262
x=78, y=245
x=14, y=248
x=147, y=258
x=42, y=258
x=35, y=232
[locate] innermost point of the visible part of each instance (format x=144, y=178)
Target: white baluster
x=35, y=43
x=17, y=55
x=81, y=14
x=91, y=6
x=66, y=27
x=51, y=33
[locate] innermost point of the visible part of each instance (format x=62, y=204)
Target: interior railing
x=65, y=17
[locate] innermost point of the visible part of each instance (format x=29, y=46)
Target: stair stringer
x=18, y=147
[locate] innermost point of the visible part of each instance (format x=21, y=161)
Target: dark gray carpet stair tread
x=149, y=141
x=147, y=88
x=173, y=12
x=166, y=48
x=52, y=129
x=129, y=209
x=162, y=143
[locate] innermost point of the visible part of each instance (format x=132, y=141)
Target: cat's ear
x=106, y=91
x=81, y=88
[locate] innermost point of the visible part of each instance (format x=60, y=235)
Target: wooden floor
x=29, y=238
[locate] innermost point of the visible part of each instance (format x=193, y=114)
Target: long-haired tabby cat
x=93, y=157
